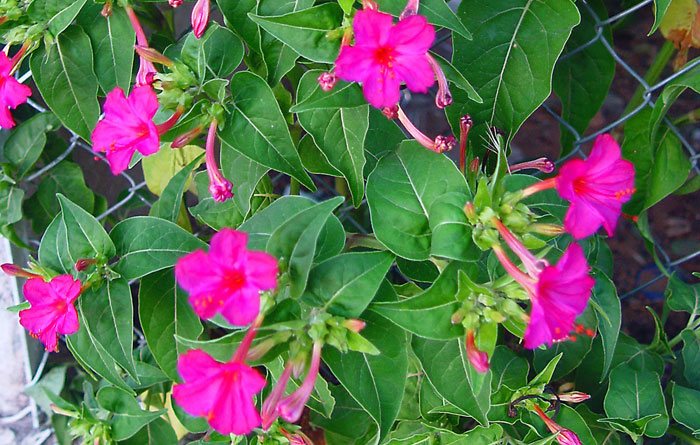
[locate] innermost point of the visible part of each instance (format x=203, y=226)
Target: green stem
x=360, y=240
x=691, y=117
x=679, y=433
x=693, y=324
x=294, y=187
x=655, y=70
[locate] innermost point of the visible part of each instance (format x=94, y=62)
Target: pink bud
x=152, y=55
x=568, y=437
x=574, y=397
x=470, y=211
x=107, y=9
x=542, y=164
x=200, y=17
x=84, y=263
x=327, y=81
x=219, y=187
x=186, y=138
x=478, y=359
x=354, y=324
x=175, y=3
x=15, y=271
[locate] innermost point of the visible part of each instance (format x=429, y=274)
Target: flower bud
x=84, y=263
x=354, y=325
x=391, y=112
x=574, y=397
x=327, y=81
x=200, y=17
x=175, y=3
x=106, y=9
x=15, y=271
x=478, y=359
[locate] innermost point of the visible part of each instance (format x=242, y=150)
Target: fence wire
x=346, y=213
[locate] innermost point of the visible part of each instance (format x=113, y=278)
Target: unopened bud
x=574, y=397
x=457, y=317
x=391, y=112
x=547, y=229
x=258, y=351
x=152, y=55
x=327, y=81
x=186, y=138
x=84, y=263
x=175, y=3
x=106, y=9
x=354, y=325
x=475, y=165
x=542, y=164
x=470, y=211
x=478, y=359
x=15, y=271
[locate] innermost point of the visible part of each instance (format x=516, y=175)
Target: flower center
x=580, y=186
x=234, y=280
x=384, y=56
x=60, y=306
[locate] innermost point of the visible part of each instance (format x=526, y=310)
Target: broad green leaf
x=601, y=434
x=236, y=14
x=634, y=428
x=339, y=134
x=66, y=80
x=686, y=407
x=344, y=94
x=420, y=271
x=216, y=55
x=48, y=388
x=109, y=314
x=127, y=416
x=511, y=62
x=313, y=158
x=112, y=40
x=660, y=9
x=160, y=167
x=636, y=356
x=93, y=357
x=165, y=313
x=634, y=394
x=401, y=190
x=26, y=142
x=681, y=296
x=344, y=285
x=670, y=171
x=609, y=316
x=257, y=129
x=84, y=236
x=582, y=80
x=691, y=358
x=214, y=214
x=306, y=31
x=447, y=368
x=65, y=16
x=437, y=12
x=451, y=232
x=170, y=202
x=458, y=80
x=294, y=241
x=146, y=244
x=570, y=419
x=65, y=178
x=545, y=375
x=158, y=432
x=383, y=136
x=243, y=172
x=376, y=382
x=429, y=313
x=10, y=203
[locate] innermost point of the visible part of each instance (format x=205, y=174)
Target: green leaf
x=313, y=158
x=93, y=357
x=236, y=14
x=345, y=285
x=214, y=214
x=257, y=129
x=681, y=296
x=634, y=428
x=294, y=241
x=165, y=313
x=609, y=317
x=582, y=80
x=26, y=142
x=159, y=168
x=383, y=136
x=65, y=178
x=447, y=368
x=437, y=12
x=401, y=190
x=339, y=134
x=545, y=376
x=109, y=314
x=127, y=416
x=631, y=353
x=691, y=357
x=48, y=388
x=380, y=389
x=633, y=395
x=66, y=80
x=458, y=80
x=306, y=31
x=660, y=8
x=112, y=40
x=11, y=207
x=243, y=172
x=512, y=68
x=84, y=235
x=65, y=16
x=170, y=202
x=686, y=407
x=429, y=313
x=146, y=244
x=158, y=431
x=215, y=55
x=344, y=94
x=451, y=232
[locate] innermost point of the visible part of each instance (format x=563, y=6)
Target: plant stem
x=690, y=117
x=294, y=187
x=679, y=433
x=660, y=61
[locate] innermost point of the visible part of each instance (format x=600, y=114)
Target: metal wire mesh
x=346, y=213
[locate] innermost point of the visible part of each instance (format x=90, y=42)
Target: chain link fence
x=137, y=190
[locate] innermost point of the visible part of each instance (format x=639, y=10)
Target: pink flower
x=127, y=127
x=564, y=436
x=52, y=311
x=221, y=392
x=228, y=279
x=219, y=187
x=558, y=294
x=596, y=187
x=12, y=93
x=385, y=55
x=200, y=17
x=478, y=359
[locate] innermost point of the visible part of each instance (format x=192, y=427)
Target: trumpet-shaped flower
x=52, y=311
x=228, y=279
x=563, y=435
x=478, y=359
x=386, y=54
x=12, y=93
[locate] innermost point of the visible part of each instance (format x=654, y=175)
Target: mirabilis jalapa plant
x=477, y=309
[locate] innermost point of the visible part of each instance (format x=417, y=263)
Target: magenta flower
x=221, y=392
x=200, y=17
x=12, y=93
x=385, y=55
x=478, y=359
x=52, y=311
x=127, y=127
x=558, y=294
x=596, y=187
x=228, y=279
x=219, y=187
